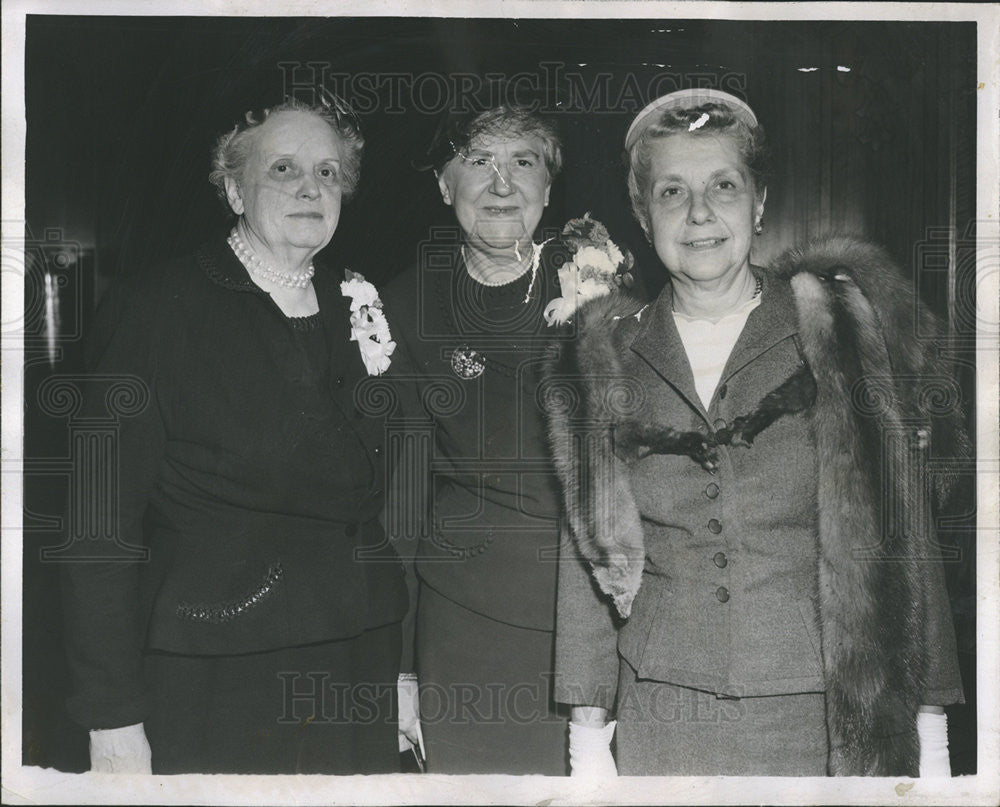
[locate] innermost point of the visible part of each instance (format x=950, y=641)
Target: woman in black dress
x=254, y=640
x=472, y=324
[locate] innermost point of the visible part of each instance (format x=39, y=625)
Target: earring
x=758, y=226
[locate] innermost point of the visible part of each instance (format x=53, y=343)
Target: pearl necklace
x=492, y=283
x=255, y=266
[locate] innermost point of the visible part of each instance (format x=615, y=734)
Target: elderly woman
x=254, y=640
x=741, y=596
x=474, y=329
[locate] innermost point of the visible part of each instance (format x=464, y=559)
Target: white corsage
x=369, y=327
x=598, y=266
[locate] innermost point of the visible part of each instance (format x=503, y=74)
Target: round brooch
x=467, y=363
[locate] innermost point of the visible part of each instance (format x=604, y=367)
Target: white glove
x=590, y=751
x=124, y=750
x=410, y=734
x=932, y=730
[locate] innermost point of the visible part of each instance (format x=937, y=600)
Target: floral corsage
x=598, y=267
x=369, y=327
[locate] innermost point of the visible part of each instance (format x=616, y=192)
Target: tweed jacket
x=746, y=548
x=251, y=478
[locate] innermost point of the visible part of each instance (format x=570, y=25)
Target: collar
x=773, y=321
x=223, y=268
x=742, y=310
x=659, y=343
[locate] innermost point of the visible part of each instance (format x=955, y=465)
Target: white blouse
x=708, y=345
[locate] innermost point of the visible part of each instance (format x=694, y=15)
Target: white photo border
x=31, y=785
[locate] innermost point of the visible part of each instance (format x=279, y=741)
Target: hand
x=124, y=750
x=410, y=734
x=590, y=751
x=932, y=730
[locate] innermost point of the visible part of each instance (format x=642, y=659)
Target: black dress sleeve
x=406, y=515
x=100, y=576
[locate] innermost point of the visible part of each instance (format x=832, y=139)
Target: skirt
x=667, y=730
x=486, y=693
x=323, y=708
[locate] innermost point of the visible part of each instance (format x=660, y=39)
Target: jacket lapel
x=335, y=311
x=347, y=370
x=769, y=323
x=224, y=269
x=659, y=344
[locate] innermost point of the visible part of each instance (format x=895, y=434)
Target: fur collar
x=873, y=379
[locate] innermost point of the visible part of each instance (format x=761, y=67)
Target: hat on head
x=686, y=98
x=462, y=111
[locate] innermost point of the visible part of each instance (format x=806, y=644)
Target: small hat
x=686, y=98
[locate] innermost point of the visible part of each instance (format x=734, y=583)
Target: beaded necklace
x=493, y=283
x=256, y=267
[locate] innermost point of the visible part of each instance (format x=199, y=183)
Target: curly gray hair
x=232, y=150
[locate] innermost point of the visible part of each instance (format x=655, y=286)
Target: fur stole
x=880, y=400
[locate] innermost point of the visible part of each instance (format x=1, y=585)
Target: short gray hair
x=721, y=120
x=232, y=150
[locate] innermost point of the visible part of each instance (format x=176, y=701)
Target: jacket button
x=722, y=391
x=722, y=594
x=377, y=450
x=720, y=423
x=340, y=381
x=351, y=529
x=720, y=560
x=714, y=526
x=712, y=490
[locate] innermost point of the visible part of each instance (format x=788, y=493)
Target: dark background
x=122, y=114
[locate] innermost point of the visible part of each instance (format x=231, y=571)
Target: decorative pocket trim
x=217, y=613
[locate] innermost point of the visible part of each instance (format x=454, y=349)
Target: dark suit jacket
x=727, y=602
x=252, y=477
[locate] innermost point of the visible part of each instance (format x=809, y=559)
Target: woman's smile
x=704, y=243
x=702, y=207
x=498, y=187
